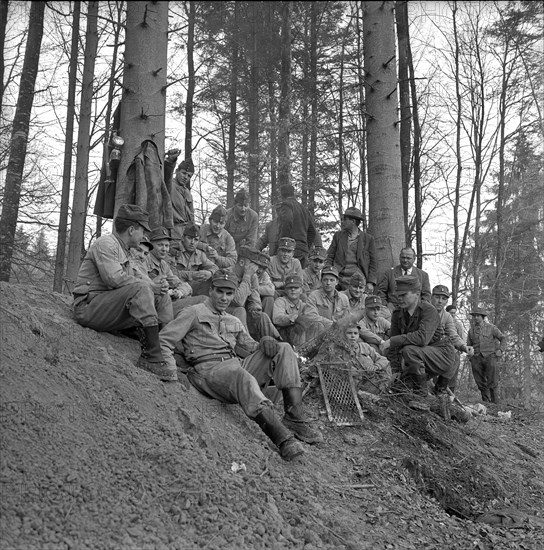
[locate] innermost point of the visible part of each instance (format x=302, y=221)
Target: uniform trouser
x=268, y=305
x=258, y=325
x=128, y=306
x=163, y=306
x=243, y=381
x=452, y=384
x=484, y=370
x=435, y=360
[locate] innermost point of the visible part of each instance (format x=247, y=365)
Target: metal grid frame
x=340, y=394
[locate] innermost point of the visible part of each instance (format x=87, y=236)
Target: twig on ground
x=402, y=431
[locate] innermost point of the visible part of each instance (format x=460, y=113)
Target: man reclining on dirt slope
x=228, y=365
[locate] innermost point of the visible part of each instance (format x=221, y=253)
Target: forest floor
x=98, y=454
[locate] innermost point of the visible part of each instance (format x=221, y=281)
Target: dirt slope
x=98, y=454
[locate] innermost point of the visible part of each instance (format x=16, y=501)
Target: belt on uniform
x=212, y=358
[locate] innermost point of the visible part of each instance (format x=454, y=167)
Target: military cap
x=357, y=279
x=318, y=253
x=408, y=283
x=354, y=213
x=242, y=197
x=450, y=307
x=160, y=234
x=479, y=311
x=373, y=301
x=218, y=212
x=330, y=271
x=186, y=165
x=146, y=242
x=292, y=281
x=134, y=213
x=191, y=230
x=287, y=243
x=441, y=290
x=223, y=278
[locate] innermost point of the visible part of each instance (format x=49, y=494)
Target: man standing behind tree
x=110, y=296
x=296, y=222
x=487, y=341
x=353, y=251
x=242, y=222
x=387, y=286
x=216, y=241
x=181, y=197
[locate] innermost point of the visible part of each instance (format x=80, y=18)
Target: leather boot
x=486, y=398
x=493, y=396
x=420, y=385
x=295, y=419
x=279, y=435
x=151, y=358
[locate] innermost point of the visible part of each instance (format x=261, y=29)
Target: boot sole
x=166, y=375
x=310, y=440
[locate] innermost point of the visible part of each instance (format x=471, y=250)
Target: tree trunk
x=81, y=184
x=341, y=131
x=67, y=167
x=273, y=148
x=401, y=14
x=383, y=146
x=284, y=118
x=189, y=104
x=144, y=85
x=361, y=139
x=253, y=101
x=312, y=162
x=233, y=110
x=19, y=139
x=3, y=23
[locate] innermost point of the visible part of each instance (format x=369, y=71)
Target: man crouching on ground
x=228, y=365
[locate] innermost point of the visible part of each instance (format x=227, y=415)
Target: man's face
x=221, y=297
x=329, y=283
x=477, y=320
x=184, y=177
x=352, y=335
x=140, y=252
x=161, y=248
x=356, y=290
x=316, y=265
x=135, y=235
x=406, y=259
x=439, y=301
x=285, y=255
x=408, y=298
x=190, y=242
x=217, y=225
x=293, y=293
x=372, y=313
x=241, y=208
x=348, y=224
x=453, y=312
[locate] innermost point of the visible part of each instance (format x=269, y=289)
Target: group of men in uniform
x=210, y=299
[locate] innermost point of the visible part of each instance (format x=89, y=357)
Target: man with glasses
x=353, y=250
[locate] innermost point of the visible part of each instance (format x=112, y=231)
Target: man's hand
x=255, y=310
x=370, y=288
x=384, y=346
x=269, y=346
x=176, y=293
x=212, y=253
x=250, y=268
x=160, y=285
x=470, y=351
x=202, y=275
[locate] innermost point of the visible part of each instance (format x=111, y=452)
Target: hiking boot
x=295, y=419
x=291, y=449
x=159, y=368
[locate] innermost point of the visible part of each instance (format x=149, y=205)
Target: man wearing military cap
x=283, y=264
x=242, y=221
x=228, y=365
x=439, y=298
x=216, y=241
x=182, y=199
x=418, y=349
x=353, y=250
x=311, y=274
x=326, y=304
x=291, y=316
x=110, y=295
x=356, y=294
x=192, y=265
x=487, y=342
x=160, y=272
x=373, y=328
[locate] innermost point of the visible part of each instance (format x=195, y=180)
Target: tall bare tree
x=384, y=170
x=19, y=139
x=189, y=103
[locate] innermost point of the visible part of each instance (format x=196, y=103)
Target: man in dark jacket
x=353, y=250
x=417, y=348
x=296, y=222
x=387, y=288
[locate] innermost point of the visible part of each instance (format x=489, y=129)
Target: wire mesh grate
x=340, y=394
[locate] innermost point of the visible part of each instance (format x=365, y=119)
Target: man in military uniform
x=311, y=275
x=225, y=363
x=356, y=295
x=216, y=241
x=284, y=264
x=374, y=329
x=110, y=295
x=242, y=221
x=487, y=342
x=417, y=348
